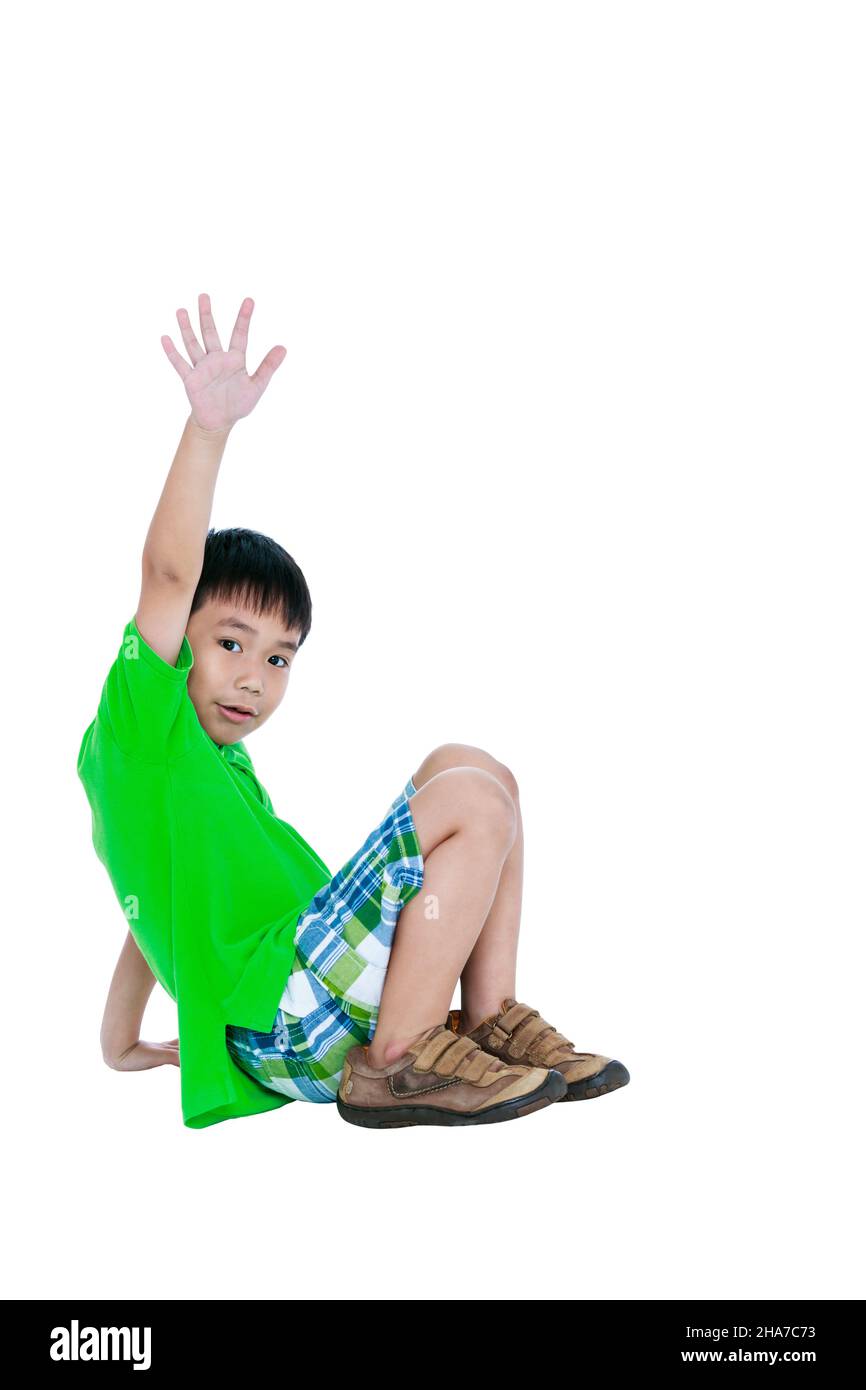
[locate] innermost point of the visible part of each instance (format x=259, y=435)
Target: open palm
x=219, y=389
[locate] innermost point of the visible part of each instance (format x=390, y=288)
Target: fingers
x=268, y=366
x=208, y=327
x=179, y=363
x=242, y=324
x=239, y=338
x=190, y=341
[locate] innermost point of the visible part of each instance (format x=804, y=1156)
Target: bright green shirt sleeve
x=145, y=702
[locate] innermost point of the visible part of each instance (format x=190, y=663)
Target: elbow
x=113, y=1055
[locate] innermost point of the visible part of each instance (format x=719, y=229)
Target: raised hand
x=219, y=390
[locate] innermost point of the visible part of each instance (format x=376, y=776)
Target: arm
x=174, y=546
x=220, y=393
x=131, y=987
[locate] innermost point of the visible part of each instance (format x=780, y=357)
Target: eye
x=283, y=660
x=223, y=640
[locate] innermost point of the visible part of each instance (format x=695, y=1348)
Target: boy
x=292, y=983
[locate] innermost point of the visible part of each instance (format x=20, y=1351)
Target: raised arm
x=174, y=545
x=173, y=552
x=220, y=393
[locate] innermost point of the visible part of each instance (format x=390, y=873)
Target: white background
x=569, y=445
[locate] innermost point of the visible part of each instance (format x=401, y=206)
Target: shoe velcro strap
x=478, y=1065
x=526, y=1029
x=434, y=1047
x=480, y=1068
x=497, y=1036
x=453, y=1054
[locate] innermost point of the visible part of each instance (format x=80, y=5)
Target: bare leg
x=466, y=825
x=489, y=975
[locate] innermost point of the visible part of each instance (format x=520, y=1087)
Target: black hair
x=243, y=566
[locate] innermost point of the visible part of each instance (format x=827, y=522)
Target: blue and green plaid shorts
x=342, y=946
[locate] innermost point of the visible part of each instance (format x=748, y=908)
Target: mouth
x=238, y=714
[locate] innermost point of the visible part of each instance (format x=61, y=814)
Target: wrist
x=195, y=428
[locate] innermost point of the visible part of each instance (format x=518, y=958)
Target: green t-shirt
x=210, y=880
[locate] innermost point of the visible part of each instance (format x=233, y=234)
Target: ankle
x=383, y=1054
x=469, y=1018
x=467, y=1021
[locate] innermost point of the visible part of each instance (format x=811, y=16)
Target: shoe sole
x=610, y=1078
x=397, y=1117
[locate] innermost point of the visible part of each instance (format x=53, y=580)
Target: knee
x=468, y=799
x=490, y=808
x=454, y=755
x=504, y=775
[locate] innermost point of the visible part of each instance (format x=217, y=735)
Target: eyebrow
x=245, y=627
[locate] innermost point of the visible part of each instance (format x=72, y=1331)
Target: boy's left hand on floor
x=143, y=1055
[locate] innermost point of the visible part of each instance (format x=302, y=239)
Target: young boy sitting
x=292, y=983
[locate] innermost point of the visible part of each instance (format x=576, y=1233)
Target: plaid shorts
x=342, y=945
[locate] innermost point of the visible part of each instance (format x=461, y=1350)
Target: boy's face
x=241, y=658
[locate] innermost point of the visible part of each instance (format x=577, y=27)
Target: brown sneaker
x=520, y=1036
x=442, y=1079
